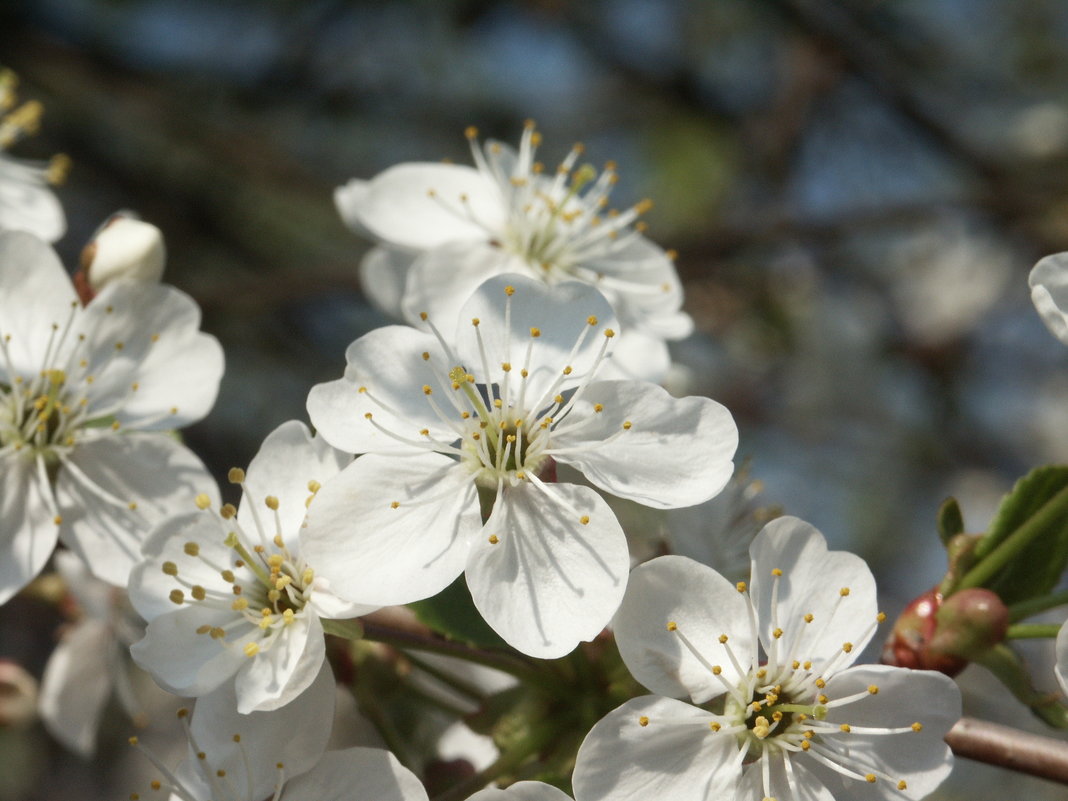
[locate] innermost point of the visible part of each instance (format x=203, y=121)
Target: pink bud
x=969, y=623
x=908, y=645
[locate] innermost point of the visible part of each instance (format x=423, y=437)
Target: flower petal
x=388, y=364
x=374, y=552
x=674, y=756
x=27, y=203
x=441, y=280
x=803, y=787
x=561, y=314
x=676, y=451
x=37, y=295
x=522, y=791
x=289, y=459
x=835, y=587
x=383, y=275
x=543, y=580
x=278, y=674
x=1049, y=292
x=28, y=530
x=113, y=490
x=357, y=773
x=77, y=683
x=703, y=606
x=921, y=758
x=418, y=205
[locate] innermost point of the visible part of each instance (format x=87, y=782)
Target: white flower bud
x=125, y=248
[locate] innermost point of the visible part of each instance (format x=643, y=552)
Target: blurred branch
x=1010, y=748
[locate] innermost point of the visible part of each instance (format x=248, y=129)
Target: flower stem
x=991, y=563
x=1010, y=748
x=1003, y=662
x=1032, y=606
x=1023, y=631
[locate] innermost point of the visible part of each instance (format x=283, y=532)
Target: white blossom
x=522, y=791
x=445, y=228
x=124, y=248
x=85, y=396
x=228, y=594
x=790, y=717
x=1049, y=292
x=489, y=416
x=26, y=202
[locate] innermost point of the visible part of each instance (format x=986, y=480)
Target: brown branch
x=1010, y=748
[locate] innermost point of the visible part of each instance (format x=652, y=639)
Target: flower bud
x=18, y=695
x=124, y=248
x=944, y=634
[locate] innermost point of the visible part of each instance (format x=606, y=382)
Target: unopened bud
x=124, y=248
x=936, y=633
x=18, y=695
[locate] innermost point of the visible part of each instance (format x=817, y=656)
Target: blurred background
x=856, y=190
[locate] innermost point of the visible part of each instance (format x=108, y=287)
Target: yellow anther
x=169, y=569
x=598, y=407
x=217, y=633
x=57, y=520
x=643, y=721
x=288, y=616
x=471, y=132
x=227, y=576
x=844, y=591
x=672, y=625
x=423, y=316
x=558, y=399
x=506, y=366
x=202, y=630
x=509, y=290
x=609, y=333
x=776, y=572
x=493, y=539
x=917, y=726
x=394, y=505
x=132, y=505
x=626, y=425
x=177, y=597
x=592, y=320
x=740, y=586
x=535, y=332
x=251, y=649
x=881, y=617
x=723, y=639
x=822, y=698
x=795, y=664
x=228, y=511
x=809, y=618
x=133, y=741
x=198, y=592
x=902, y=785
x=273, y=595
x=426, y=356
x=236, y=475
x=497, y=404
x=307, y=576
x=568, y=370
x=282, y=582
x=777, y=633
x=714, y=726
x=475, y=321
x=271, y=502
x=805, y=744
x=585, y=519
x=873, y=689
x=821, y=683
x=368, y=416
x=716, y=670
x=116, y=425
x=202, y=501
x=847, y=647
x=845, y=727
x=275, y=560
x=239, y=604
x=870, y=778
x=807, y=665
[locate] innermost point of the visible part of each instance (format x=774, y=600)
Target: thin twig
x=1010, y=748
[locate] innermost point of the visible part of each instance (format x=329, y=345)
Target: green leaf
x=1028, y=539
x=950, y=520
x=452, y=613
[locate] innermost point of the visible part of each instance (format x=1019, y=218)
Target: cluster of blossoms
x=490, y=438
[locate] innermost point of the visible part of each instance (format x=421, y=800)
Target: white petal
x=561, y=313
x=150, y=588
x=277, y=675
x=637, y=356
x=522, y=791
x=549, y=582
x=1049, y=292
x=396, y=206
x=27, y=204
x=357, y=774
x=812, y=582
x=703, y=605
x=388, y=363
x=920, y=758
x=28, y=530
x=289, y=458
x=675, y=756
x=383, y=274
x=295, y=735
x=184, y=662
x=37, y=294
x=442, y=279
x=374, y=553
x=805, y=785
x=77, y=683
x=101, y=479
x=677, y=451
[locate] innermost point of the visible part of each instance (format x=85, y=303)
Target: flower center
x=39, y=417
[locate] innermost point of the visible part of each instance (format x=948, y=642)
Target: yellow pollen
x=497, y=404
x=776, y=572
x=740, y=586
x=917, y=726
x=567, y=370
x=493, y=539
x=169, y=569
x=901, y=785
x=227, y=575
x=716, y=670
x=198, y=592
x=471, y=132
x=761, y=673
x=808, y=618
x=202, y=501
x=177, y=597
x=368, y=416
x=805, y=744
x=475, y=321
x=236, y=475
x=275, y=560
x=425, y=432
x=807, y=665
x=426, y=356
x=777, y=633
x=714, y=726
x=427, y=390
x=506, y=366
x=509, y=290
x=845, y=727
x=57, y=520
x=881, y=617
x=535, y=332
x=609, y=333
x=271, y=502
x=202, y=630
x=626, y=425
x=844, y=591
x=116, y=425
x=191, y=548
x=870, y=778
x=822, y=698
x=558, y=399
x=592, y=320
x=361, y=390
x=288, y=617
x=821, y=683
x=239, y=604
x=395, y=505
x=873, y=689
x=228, y=511
x=847, y=647
x=643, y=721
x=217, y=633
x=672, y=625
x=423, y=316
x=155, y=784
x=585, y=519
